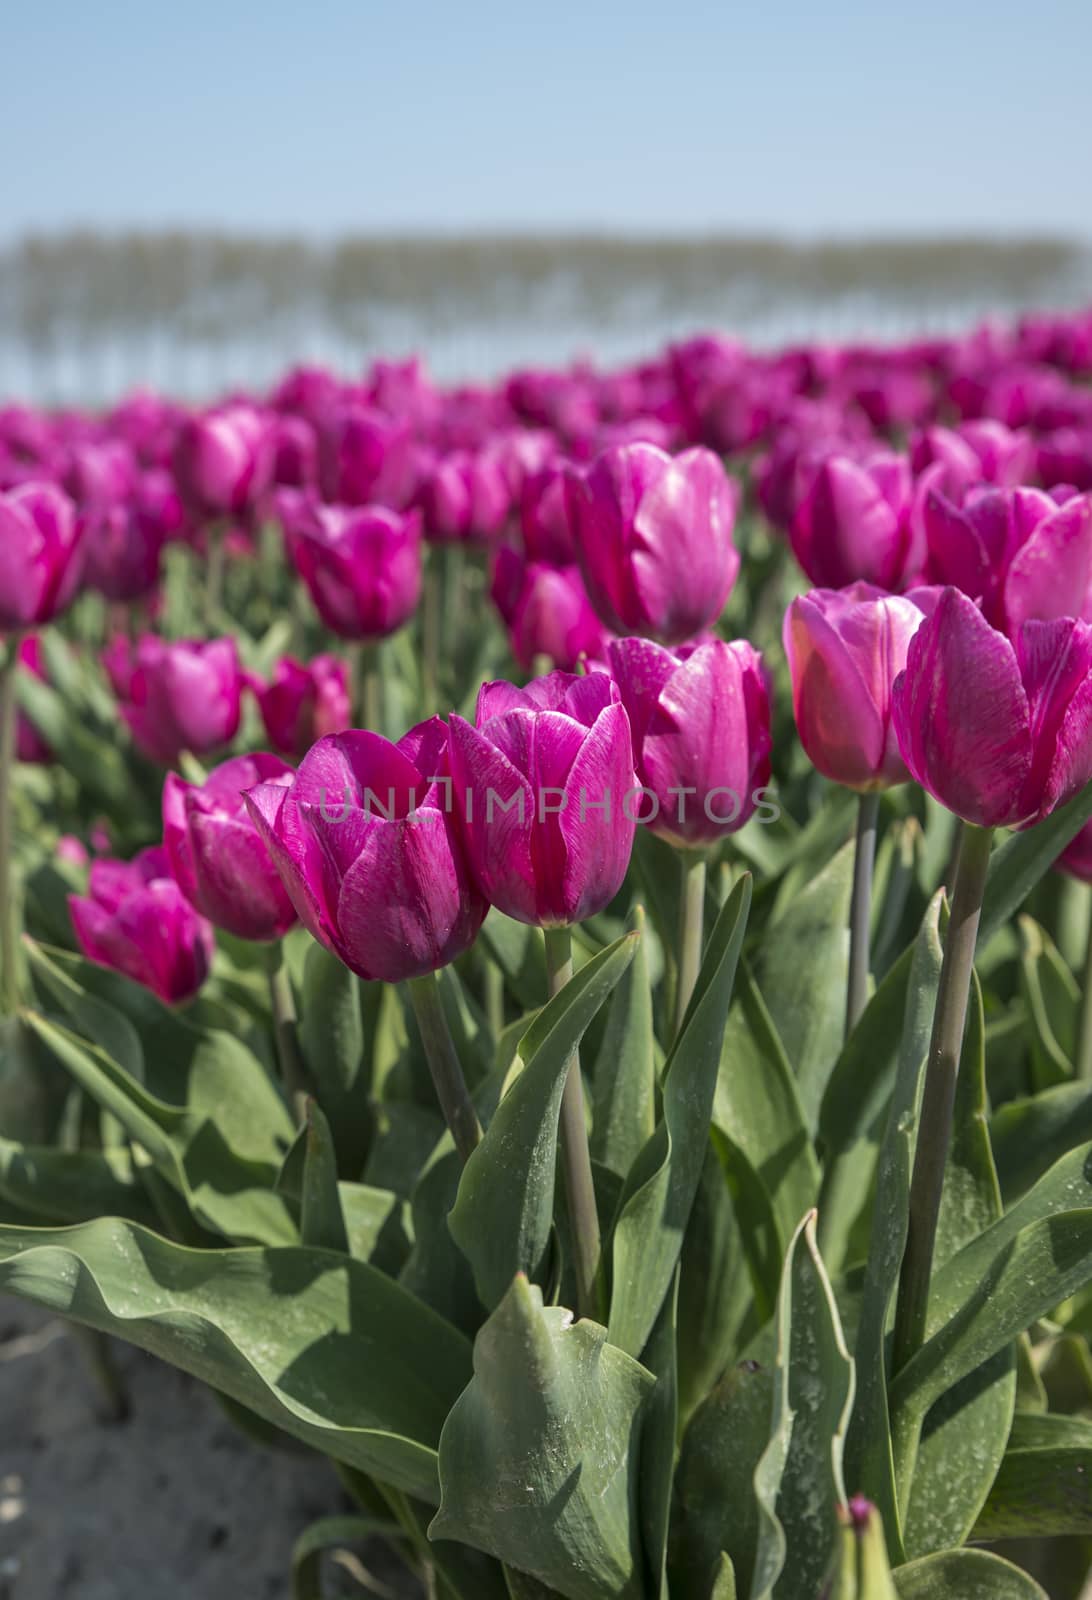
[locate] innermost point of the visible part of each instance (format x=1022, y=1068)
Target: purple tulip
x=362, y=565
x=304, y=703
x=183, y=696
x=855, y=523
x=216, y=856
x=365, y=458
x=41, y=555
x=223, y=461
x=654, y=539
x=367, y=850
x=544, y=517
x=845, y=649
x=135, y=919
x=546, y=610
x=29, y=744
x=295, y=453
x=997, y=730
x=700, y=717
x=465, y=498
x=546, y=795
x=975, y=452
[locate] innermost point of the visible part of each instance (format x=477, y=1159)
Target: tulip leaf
x=717, y=1302
x=798, y=1481
x=328, y=1534
x=540, y=1457
x=715, y=1511
x=1030, y=1135
x=658, y=1441
x=758, y=1108
x=331, y=1035
x=59, y=1186
x=1026, y=857
x=325, y=1347
x=661, y=1185
x=870, y=1466
x=965, y=1575
x=503, y=1214
x=1043, y=1488
x=1052, y=999
x=624, y=1079
x=801, y=969
x=322, y=1222
x=964, y=1436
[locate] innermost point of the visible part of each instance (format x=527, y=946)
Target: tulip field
x=546, y=953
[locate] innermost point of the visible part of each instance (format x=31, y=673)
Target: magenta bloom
x=544, y=516
x=223, y=461
x=654, y=538
x=304, y=703
x=845, y=649
x=41, y=555
x=366, y=848
x=182, y=696
x=216, y=856
x=700, y=717
x=295, y=453
x=366, y=458
x=998, y=731
x=465, y=498
x=362, y=565
x=974, y=453
x=855, y=523
x=135, y=919
x=546, y=610
x=29, y=744
x=1019, y=552
x=126, y=539
x=546, y=795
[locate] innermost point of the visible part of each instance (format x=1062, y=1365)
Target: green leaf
x=518, y=951
x=504, y=1211
x=328, y=1534
x=331, y=1035
x=539, y=1460
x=1026, y=857
x=1044, y=1486
x=965, y=1575
x=801, y=969
x=1052, y=999
x=798, y=1482
x=663, y=1181
x=1030, y=1135
x=323, y=1346
x=623, y=1082
x=964, y=1436
x=716, y=1299
x=758, y=1108
x=715, y=1510
x=322, y=1223
x=658, y=1441
x=870, y=1468
x=70, y=1185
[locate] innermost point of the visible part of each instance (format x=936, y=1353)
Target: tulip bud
x=218, y=859
x=546, y=610
x=464, y=498
x=362, y=566
x=654, y=539
x=183, y=696
x=41, y=555
x=223, y=461
x=365, y=458
x=545, y=795
x=855, y=523
x=304, y=703
x=700, y=717
x=366, y=848
x=845, y=649
x=997, y=730
x=135, y=919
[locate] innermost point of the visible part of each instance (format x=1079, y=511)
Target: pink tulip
x=546, y=610
x=365, y=845
x=304, y=703
x=216, y=856
x=362, y=565
x=855, y=523
x=700, y=717
x=29, y=744
x=546, y=796
x=997, y=730
x=464, y=499
x=183, y=696
x=223, y=461
x=41, y=555
x=135, y=919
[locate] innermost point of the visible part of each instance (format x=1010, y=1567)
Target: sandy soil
x=172, y=1504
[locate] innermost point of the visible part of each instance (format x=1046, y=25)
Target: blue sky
x=360, y=114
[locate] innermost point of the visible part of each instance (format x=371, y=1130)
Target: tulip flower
x=223, y=461
x=464, y=498
x=41, y=555
x=855, y=523
x=29, y=744
x=654, y=539
x=304, y=703
x=216, y=856
x=974, y=453
x=362, y=566
x=546, y=610
x=183, y=696
x=543, y=516
x=997, y=730
x=365, y=458
x=135, y=919
x=124, y=549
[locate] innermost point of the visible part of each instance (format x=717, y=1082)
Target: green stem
x=369, y=687
x=860, y=911
x=9, y=911
x=283, y=1007
x=1084, y=1027
x=214, y=575
x=493, y=985
x=443, y=1063
x=691, y=930
x=575, y=1154
x=938, y=1097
